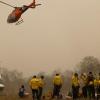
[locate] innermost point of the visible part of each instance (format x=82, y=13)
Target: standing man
x=75, y=86
x=57, y=82
x=34, y=84
x=97, y=86
x=84, y=86
x=41, y=85
x=91, y=88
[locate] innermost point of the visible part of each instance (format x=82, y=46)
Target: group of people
x=88, y=83
x=37, y=84
x=84, y=85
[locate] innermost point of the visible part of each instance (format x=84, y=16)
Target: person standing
x=97, y=86
x=91, y=88
x=41, y=85
x=84, y=82
x=34, y=84
x=57, y=82
x=75, y=86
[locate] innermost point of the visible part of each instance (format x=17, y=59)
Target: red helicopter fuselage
x=16, y=14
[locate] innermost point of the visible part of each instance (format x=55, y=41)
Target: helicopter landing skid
x=19, y=22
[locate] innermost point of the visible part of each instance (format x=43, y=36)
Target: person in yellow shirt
x=97, y=81
x=41, y=85
x=57, y=82
x=91, y=87
x=34, y=85
x=75, y=86
x=84, y=86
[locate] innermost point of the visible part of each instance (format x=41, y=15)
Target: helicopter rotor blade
x=38, y=4
x=7, y=4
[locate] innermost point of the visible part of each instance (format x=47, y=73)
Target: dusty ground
x=17, y=98
x=14, y=98
x=28, y=98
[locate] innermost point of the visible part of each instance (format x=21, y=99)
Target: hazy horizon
x=55, y=35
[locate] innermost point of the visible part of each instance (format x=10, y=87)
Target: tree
x=89, y=63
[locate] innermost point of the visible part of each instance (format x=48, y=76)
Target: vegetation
x=89, y=63
x=14, y=79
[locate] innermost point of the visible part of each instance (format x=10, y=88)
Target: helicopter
x=15, y=15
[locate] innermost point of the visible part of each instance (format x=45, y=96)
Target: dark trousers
x=84, y=91
x=56, y=90
x=98, y=92
x=91, y=91
x=40, y=92
x=75, y=92
x=35, y=94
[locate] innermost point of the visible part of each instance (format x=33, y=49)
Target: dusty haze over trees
x=14, y=79
x=89, y=63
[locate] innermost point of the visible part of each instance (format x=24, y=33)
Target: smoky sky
x=56, y=35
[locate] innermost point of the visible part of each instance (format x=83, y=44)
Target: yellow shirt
x=57, y=80
x=97, y=82
x=41, y=82
x=75, y=81
x=34, y=83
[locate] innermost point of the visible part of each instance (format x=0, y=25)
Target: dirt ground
x=14, y=98
x=26, y=98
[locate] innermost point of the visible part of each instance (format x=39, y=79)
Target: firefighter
x=34, y=84
x=41, y=85
x=97, y=85
x=57, y=82
x=84, y=87
x=75, y=86
x=91, y=88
